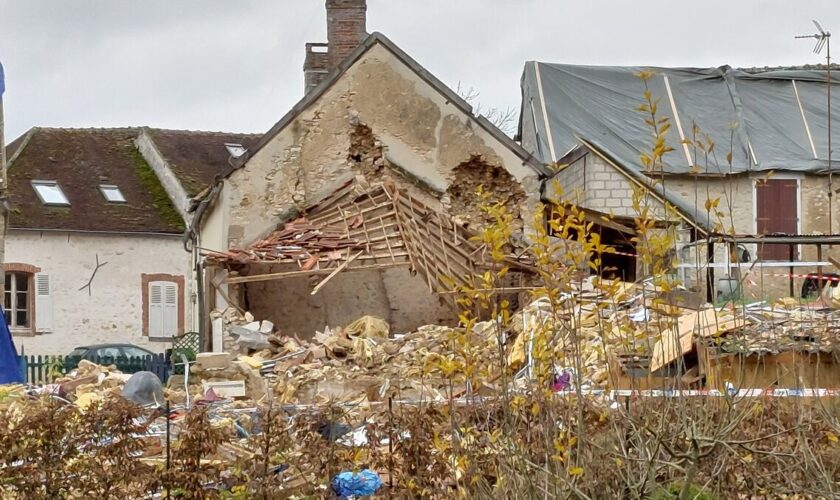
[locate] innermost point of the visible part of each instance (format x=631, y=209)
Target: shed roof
x=774, y=119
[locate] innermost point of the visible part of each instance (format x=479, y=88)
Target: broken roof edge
x=451, y=96
x=689, y=214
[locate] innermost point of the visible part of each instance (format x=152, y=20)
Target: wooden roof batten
x=363, y=228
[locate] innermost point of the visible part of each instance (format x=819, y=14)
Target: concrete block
x=226, y=388
x=213, y=359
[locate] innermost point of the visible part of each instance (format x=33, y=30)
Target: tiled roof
x=197, y=157
x=80, y=160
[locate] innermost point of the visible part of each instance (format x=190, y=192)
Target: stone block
x=213, y=359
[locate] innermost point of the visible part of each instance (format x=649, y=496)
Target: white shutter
x=170, y=309
x=43, y=304
x=156, y=326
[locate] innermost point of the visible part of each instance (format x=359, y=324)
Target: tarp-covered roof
x=774, y=119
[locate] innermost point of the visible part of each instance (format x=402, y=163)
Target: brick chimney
x=345, y=31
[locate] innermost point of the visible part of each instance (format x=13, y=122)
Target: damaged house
x=774, y=229
x=362, y=197
x=94, y=249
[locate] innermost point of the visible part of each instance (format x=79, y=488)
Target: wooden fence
x=45, y=369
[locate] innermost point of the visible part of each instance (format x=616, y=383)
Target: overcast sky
x=236, y=65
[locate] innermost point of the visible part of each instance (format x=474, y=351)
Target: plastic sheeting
x=10, y=372
x=756, y=115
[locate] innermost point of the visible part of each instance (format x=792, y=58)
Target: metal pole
x=828, y=83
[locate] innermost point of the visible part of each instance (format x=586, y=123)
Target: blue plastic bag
x=356, y=484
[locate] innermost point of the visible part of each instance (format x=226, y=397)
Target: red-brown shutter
x=776, y=207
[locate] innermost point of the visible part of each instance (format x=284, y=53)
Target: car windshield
x=79, y=351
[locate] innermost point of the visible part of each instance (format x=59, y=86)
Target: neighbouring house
x=376, y=139
x=775, y=224
x=95, y=248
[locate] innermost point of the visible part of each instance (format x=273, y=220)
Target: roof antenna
x=824, y=40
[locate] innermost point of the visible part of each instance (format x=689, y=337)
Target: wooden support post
x=710, y=272
x=790, y=269
x=819, y=271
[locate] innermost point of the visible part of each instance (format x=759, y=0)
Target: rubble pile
x=786, y=326
x=363, y=366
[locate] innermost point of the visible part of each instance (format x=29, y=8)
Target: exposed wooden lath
x=359, y=228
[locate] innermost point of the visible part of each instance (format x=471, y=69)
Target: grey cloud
x=236, y=66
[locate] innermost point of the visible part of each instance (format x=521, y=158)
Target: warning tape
x=739, y=393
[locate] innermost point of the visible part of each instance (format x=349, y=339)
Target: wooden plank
x=314, y=272
x=335, y=271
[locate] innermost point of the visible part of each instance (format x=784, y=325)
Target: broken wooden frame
x=363, y=228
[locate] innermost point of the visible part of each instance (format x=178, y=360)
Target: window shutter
x=156, y=326
x=43, y=304
x=170, y=309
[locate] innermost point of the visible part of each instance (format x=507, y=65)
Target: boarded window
x=776, y=212
x=163, y=309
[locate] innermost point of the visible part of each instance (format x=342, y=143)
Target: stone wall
x=403, y=300
x=592, y=183
x=112, y=312
x=422, y=136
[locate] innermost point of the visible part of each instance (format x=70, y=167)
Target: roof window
x=112, y=193
x=235, y=150
x=50, y=193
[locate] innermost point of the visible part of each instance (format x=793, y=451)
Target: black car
x=105, y=354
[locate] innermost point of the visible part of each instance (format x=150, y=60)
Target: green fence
x=45, y=369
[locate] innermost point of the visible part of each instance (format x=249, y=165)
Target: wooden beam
x=335, y=271
x=313, y=272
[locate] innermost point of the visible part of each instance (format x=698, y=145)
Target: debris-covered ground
x=441, y=411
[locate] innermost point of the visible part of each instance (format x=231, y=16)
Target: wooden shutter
x=776, y=209
x=156, y=314
x=170, y=309
x=43, y=304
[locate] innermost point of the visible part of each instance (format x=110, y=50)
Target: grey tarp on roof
x=757, y=113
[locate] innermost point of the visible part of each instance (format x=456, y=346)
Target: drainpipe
x=191, y=245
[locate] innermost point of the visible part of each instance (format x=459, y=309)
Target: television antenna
x=823, y=38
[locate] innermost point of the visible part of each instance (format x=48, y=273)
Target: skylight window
x=50, y=193
x=112, y=193
x=235, y=150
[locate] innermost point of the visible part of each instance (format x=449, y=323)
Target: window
x=235, y=150
x=17, y=303
x=112, y=193
x=50, y=193
x=27, y=299
x=134, y=352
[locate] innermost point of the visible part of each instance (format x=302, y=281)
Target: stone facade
x=424, y=137
x=382, y=120
x=113, y=310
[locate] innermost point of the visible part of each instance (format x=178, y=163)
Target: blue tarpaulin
x=9, y=364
